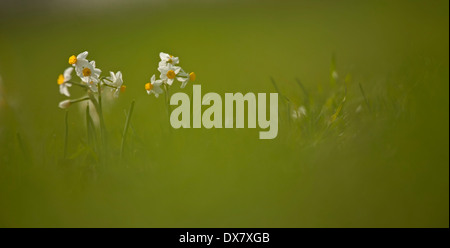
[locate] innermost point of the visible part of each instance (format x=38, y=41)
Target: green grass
x=378, y=159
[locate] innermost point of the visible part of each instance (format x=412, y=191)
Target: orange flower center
x=72, y=60
x=171, y=74
x=192, y=76
x=87, y=72
x=60, y=79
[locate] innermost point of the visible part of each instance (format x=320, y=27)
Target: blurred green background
x=382, y=162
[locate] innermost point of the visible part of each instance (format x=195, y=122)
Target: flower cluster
x=170, y=70
x=90, y=79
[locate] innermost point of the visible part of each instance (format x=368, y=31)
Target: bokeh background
x=379, y=159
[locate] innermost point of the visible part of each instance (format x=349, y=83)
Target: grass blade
x=66, y=134
x=365, y=98
x=286, y=100
x=127, y=124
x=304, y=91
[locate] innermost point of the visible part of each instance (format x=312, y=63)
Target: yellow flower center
x=86, y=72
x=192, y=76
x=72, y=59
x=169, y=61
x=60, y=79
x=148, y=86
x=171, y=74
x=123, y=88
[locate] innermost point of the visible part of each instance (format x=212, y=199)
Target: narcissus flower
x=78, y=61
x=169, y=69
x=63, y=81
x=80, y=57
x=169, y=73
x=89, y=74
x=186, y=78
x=91, y=81
x=154, y=86
x=168, y=59
x=116, y=82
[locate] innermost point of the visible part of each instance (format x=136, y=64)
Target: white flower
x=185, y=78
x=116, y=82
x=89, y=74
x=63, y=81
x=65, y=104
x=169, y=72
x=85, y=70
x=154, y=86
x=168, y=59
x=77, y=61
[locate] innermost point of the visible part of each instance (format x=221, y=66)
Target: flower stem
x=66, y=135
x=87, y=125
x=105, y=84
x=98, y=107
x=100, y=115
x=103, y=78
x=125, y=130
x=167, y=102
x=92, y=135
x=78, y=84
x=365, y=98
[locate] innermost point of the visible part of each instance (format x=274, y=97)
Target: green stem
x=92, y=135
x=66, y=138
x=167, y=102
x=365, y=98
x=78, y=84
x=98, y=107
x=103, y=78
x=87, y=125
x=125, y=130
x=100, y=113
x=105, y=84
x=79, y=100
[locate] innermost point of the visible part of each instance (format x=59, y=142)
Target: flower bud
x=65, y=104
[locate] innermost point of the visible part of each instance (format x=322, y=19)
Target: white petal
x=82, y=55
x=158, y=82
x=163, y=56
x=97, y=72
x=158, y=90
x=64, y=90
x=181, y=79
x=68, y=71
